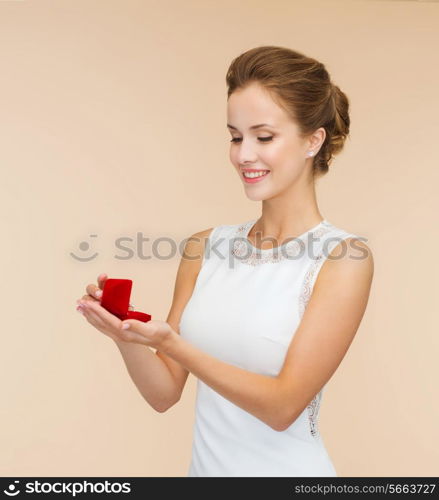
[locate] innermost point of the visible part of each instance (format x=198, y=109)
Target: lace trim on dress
x=248, y=254
x=313, y=413
x=313, y=407
x=305, y=294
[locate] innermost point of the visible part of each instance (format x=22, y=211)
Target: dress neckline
x=294, y=248
x=250, y=224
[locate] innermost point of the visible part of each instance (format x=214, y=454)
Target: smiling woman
x=263, y=325
x=268, y=325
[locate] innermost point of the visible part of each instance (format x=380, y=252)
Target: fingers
x=104, y=315
x=131, y=335
x=94, y=291
x=87, y=298
x=93, y=318
x=102, y=278
x=134, y=324
x=92, y=313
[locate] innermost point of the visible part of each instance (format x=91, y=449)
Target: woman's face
x=275, y=147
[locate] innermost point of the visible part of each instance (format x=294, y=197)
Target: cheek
x=278, y=157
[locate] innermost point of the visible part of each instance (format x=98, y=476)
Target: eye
x=262, y=139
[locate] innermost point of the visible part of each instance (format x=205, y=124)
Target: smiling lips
x=253, y=175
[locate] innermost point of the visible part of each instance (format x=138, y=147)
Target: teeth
x=254, y=174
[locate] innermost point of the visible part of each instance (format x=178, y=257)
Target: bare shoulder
x=195, y=246
x=187, y=273
x=191, y=259
x=351, y=260
x=353, y=250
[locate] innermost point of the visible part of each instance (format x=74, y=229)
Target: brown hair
x=302, y=86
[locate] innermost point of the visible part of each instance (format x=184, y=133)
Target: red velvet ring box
x=116, y=300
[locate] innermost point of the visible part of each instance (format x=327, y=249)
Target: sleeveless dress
x=245, y=307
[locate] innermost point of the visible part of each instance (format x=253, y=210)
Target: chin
x=257, y=196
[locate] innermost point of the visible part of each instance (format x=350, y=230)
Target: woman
x=263, y=325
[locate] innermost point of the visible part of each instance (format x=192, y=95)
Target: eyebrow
x=253, y=126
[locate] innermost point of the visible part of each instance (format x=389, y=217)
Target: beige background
x=113, y=122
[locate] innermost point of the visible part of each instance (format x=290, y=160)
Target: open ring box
x=116, y=300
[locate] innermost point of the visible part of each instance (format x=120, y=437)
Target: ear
x=316, y=139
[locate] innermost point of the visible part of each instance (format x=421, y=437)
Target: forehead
x=252, y=105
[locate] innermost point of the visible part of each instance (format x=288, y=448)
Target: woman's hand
x=153, y=333
x=94, y=295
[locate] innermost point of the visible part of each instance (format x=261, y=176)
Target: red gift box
x=116, y=300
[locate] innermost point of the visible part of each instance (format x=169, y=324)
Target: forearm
x=257, y=394
x=150, y=374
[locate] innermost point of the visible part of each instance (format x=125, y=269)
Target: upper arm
x=190, y=265
x=328, y=325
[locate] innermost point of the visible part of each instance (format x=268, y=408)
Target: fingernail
x=79, y=309
x=125, y=326
x=98, y=293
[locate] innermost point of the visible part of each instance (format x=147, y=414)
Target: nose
x=246, y=153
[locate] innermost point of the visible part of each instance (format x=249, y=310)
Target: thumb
x=131, y=324
x=102, y=278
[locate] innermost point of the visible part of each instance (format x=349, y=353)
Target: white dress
x=245, y=307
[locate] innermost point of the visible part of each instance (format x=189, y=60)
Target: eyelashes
x=262, y=139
